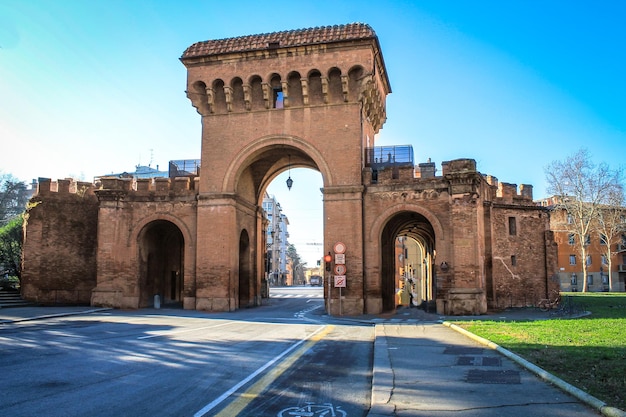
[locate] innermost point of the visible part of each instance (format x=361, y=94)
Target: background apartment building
x=276, y=265
x=600, y=269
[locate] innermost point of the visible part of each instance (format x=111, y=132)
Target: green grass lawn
x=588, y=352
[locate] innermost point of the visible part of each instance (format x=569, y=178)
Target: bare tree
x=581, y=188
x=612, y=226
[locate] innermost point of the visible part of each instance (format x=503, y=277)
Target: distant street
x=285, y=358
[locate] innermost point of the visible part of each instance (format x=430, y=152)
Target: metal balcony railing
x=184, y=168
x=389, y=156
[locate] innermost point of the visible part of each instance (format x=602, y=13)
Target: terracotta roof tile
x=311, y=36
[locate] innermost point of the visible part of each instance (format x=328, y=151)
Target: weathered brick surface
x=59, y=251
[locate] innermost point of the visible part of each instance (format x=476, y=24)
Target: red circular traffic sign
x=339, y=247
x=340, y=269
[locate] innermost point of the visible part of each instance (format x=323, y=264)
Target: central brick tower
x=310, y=98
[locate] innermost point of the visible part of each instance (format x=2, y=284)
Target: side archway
x=246, y=278
x=407, y=253
x=161, y=264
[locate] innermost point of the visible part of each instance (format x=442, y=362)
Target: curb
x=48, y=316
x=382, y=377
x=543, y=374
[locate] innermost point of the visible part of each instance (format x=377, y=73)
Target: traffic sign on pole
x=340, y=269
x=340, y=281
x=339, y=247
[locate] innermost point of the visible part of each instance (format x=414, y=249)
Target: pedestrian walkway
x=429, y=369
x=20, y=314
x=425, y=365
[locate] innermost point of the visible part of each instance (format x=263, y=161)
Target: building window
x=589, y=279
x=571, y=239
x=513, y=260
x=603, y=240
x=587, y=240
x=512, y=226
x=572, y=259
x=574, y=279
x=588, y=260
x=605, y=261
x=570, y=219
x=278, y=98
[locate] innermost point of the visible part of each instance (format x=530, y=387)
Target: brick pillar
x=216, y=253
x=343, y=222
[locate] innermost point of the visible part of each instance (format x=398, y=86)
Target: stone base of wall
x=56, y=296
x=189, y=303
x=215, y=304
x=106, y=298
x=463, y=302
x=374, y=305
x=348, y=307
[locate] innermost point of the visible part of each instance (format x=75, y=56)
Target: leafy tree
x=581, y=188
x=13, y=197
x=11, y=247
x=297, y=266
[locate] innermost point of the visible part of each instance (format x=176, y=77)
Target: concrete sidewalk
x=21, y=314
x=432, y=368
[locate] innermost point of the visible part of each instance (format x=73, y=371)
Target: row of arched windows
x=219, y=97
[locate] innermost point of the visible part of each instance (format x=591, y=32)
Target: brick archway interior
x=245, y=271
x=267, y=164
x=257, y=171
x=407, y=254
x=161, y=250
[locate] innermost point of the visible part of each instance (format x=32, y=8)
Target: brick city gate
x=310, y=98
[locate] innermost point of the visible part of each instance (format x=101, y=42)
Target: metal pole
x=340, y=301
x=328, y=299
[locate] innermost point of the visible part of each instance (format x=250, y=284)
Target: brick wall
x=59, y=252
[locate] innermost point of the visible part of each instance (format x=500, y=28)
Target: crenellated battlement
x=46, y=186
x=289, y=70
x=452, y=171
x=508, y=193
x=126, y=187
x=461, y=174
x=115, y=188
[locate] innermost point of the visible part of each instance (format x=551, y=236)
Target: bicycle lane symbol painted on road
x=313, y=410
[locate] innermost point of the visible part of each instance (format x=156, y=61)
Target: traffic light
x=327, y=259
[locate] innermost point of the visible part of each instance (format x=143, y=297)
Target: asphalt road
x=280, y=359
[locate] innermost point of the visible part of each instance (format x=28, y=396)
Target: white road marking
x=186, y=330
x=253, y=375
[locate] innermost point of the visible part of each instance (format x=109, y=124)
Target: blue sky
x=94, y=87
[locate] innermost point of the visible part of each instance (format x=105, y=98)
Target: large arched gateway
x=313, y=98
